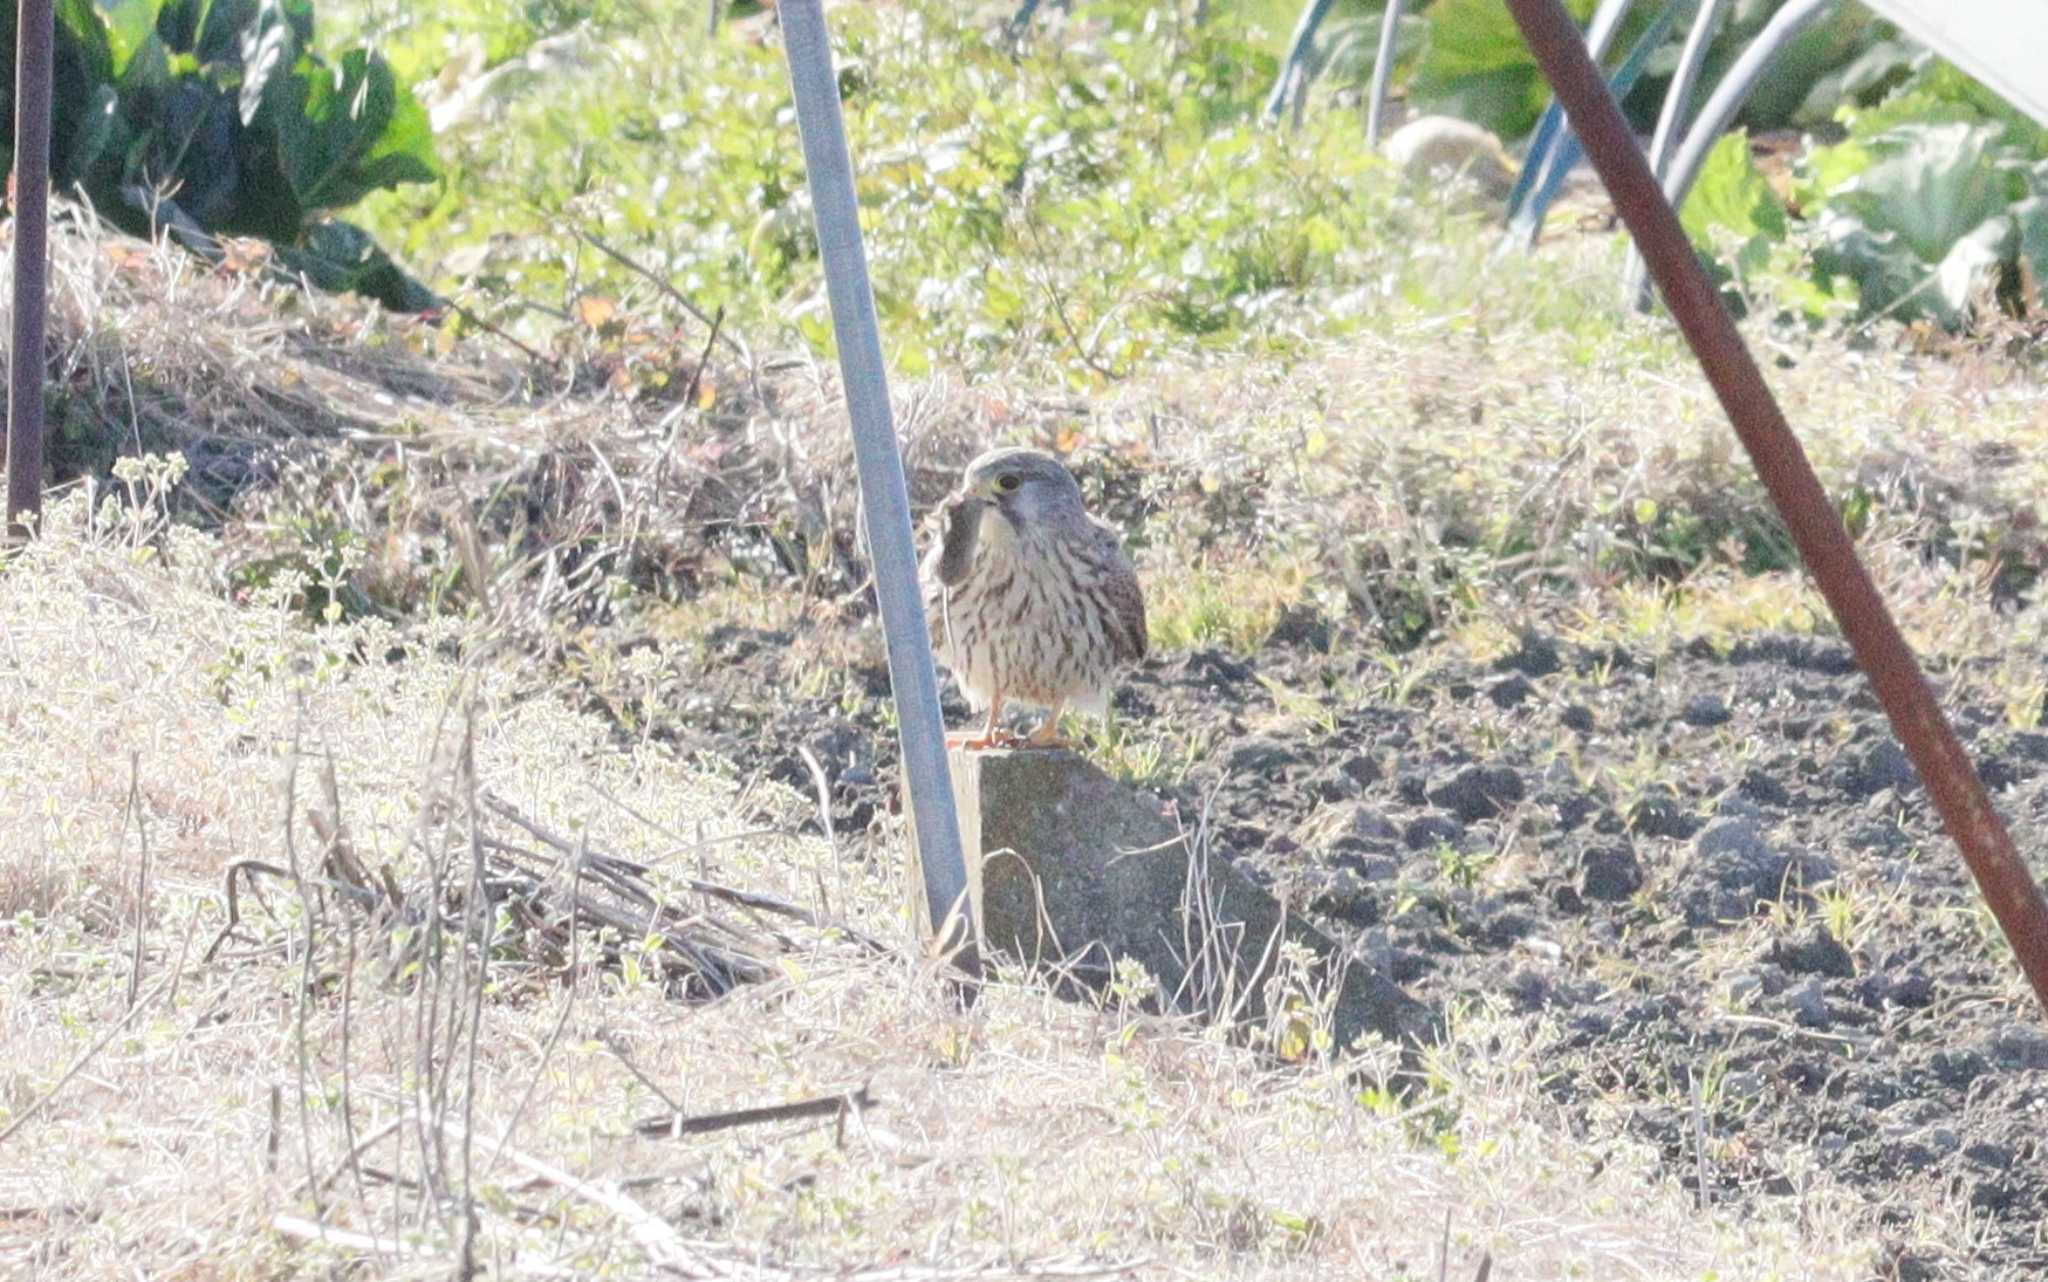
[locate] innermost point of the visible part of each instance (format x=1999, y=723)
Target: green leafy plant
x=1733, y=212
x=1476, y=66
x=1935, y=215
x=208, y=117
x=1933, y=195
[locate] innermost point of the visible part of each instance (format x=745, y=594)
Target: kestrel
x=1030, y=599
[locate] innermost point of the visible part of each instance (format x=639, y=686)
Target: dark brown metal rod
x=1916, y=717
x=34, y=36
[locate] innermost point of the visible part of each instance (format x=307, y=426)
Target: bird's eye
x=1006, y=482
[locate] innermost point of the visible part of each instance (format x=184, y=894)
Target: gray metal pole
x=1670, y=122
x=34, y=35
x=1553, y=140
x=884, y=497
x=1292, y=81
x=1733, y=91
x=1382, y=72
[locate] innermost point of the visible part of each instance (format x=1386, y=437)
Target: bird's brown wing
x=934, y=590
x=1122, y=595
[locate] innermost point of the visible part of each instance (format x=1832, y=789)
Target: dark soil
x=1635, y=852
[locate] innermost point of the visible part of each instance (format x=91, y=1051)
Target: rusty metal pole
x=1916, y=717
x=34, y=36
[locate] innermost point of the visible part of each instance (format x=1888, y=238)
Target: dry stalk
x=84, y=1058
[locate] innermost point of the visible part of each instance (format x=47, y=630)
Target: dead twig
x=835, y=1106
x=547, y=1049
x=248, y=869
x=83, y=1059
x=677, y=296
x=664, y=1246
x=1059, y=311
x=611, y=1044
x=492, y=329
x=704, y=359
x=615, y=870
x=133, y=813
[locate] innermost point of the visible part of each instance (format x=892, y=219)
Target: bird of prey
x=1030, y=599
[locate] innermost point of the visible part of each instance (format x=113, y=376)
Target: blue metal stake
x=884, y=497
x=1382, y=72
x=34, y=40
x=1670, y=123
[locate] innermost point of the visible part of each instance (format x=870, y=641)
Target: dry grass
x=1471, y=476
x=1476, y=464
x=1483, y=473
x=497, y=538
x=215, y=1103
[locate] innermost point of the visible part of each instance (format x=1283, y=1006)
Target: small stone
x=1362, y=767
x=841, y=746
x=1957, y=1069
x=1332, y=783
x=1736, y=806
x=1528, y=989
x=1573, y=806
x=1659, y=813
x=1428, y=831
x=1764, y=790
x=2031, y=744
x=1211, y=668
x=1343, y=893
x=1372, y=825
x=1985, y=1153
x=1376, y=869
x=1744, y=988
x=1705, y=710
x=1881, y=765
x=1743, y=1085
x=1734, y=867
x=1913, y=1268
x=1477, y=792
x=1815, y=953
x=1257, y=756
x=1739, y=842
x=1610, y=873
x=1301, y=627
x=1911, y=990
x=2021, y=1045
x=1511, y=691
x=1592, y=1023
x=1883, y=835
x=1997, y=773
x=1808, y=1002
x=1537, y=656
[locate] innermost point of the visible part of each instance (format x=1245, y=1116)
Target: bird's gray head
x=1024, y=485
